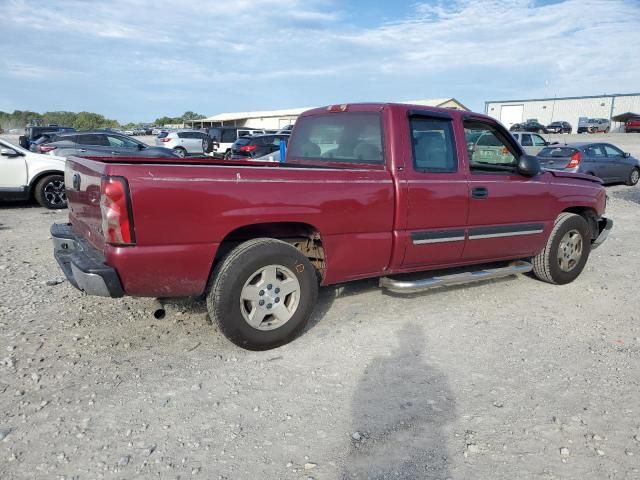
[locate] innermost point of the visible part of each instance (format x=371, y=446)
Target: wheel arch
x=39, y=176
x=303, y=236
x=589, y=214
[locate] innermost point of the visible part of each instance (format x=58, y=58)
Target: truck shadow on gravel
x=399, y=411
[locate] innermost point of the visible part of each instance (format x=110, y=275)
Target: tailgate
x=82, y=179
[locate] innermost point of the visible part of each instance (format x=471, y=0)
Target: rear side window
x=228, y=136
x=340, y=137
x=433, y=145
x=92, y=139
x=556, y=152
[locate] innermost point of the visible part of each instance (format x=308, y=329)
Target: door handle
x=479, y=192
x=115, y=153
x=82, y=149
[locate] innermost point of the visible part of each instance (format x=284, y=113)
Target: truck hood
x=580, y=176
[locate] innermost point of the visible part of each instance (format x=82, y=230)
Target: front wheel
x=262, y=294
x=566, y=252
x=227, y=155
x=634, y=176
x=50, y=192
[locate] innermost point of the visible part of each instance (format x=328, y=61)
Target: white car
x=532, y=143
x=25, y=175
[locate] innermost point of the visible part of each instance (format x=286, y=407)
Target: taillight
x=117, y=220
x=248, y=148
x=575, y=160
x=165, y=139
x=46, y=148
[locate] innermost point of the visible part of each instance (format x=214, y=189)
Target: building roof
x=434, y=102
x=550, y=99
x=223, y=117
x=290, y=112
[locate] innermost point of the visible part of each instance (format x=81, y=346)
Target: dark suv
x=559, y=127
x=100, y=143
x=34, y=133
x=256, y=146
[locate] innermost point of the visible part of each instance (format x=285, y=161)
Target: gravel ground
x=510, y=379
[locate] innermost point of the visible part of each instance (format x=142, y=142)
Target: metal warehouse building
x=569, y=109
x=274, y=119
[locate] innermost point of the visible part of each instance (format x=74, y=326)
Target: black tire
x=634, y=176
x=49, y=192
x=546, y=265
x=606, y=130
x=229, y=278
x=179, y=151
x=227, y=155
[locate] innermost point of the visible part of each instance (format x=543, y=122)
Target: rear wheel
x=179, y=151
x=634, y=176
x=50, y=193
x=262, y=294
x=566, y=252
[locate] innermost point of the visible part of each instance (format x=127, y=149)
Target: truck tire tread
x=227, y=269
x=542, y=268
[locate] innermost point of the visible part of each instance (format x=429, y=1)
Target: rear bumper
x=604, y=225
x=82, y=264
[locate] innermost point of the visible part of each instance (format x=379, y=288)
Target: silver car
x=183, y=142
x=593, y=125
x=532, y=143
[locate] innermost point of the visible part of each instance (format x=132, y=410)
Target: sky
x=135, y=60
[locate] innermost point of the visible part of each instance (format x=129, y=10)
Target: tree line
x=80, y=120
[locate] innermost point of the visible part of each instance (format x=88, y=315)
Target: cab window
x=538, y=141
x=433, y=145
x=525, y=140
x=488, y=148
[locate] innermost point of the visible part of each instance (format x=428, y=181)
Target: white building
x=568, y=109
x=275, y=119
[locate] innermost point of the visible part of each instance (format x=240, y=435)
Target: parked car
x=33, y=133
x=101, y=143
x=345, y=205
x=529, y=126
x=532, y=143
x=593, y=125
x=256, y=146
x=156, y=130
x=632, y=125
x=25, y=175
x=183, y=142
x=559, y=127
x=222, y=138
x=598, y=159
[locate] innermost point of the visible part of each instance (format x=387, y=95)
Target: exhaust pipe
x=158, y=309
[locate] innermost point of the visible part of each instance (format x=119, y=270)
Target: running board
x=405, y=286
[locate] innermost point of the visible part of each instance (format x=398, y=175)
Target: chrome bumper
x=83, y=265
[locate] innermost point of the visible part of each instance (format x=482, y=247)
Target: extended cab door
x=509, y=214
x=437, y=193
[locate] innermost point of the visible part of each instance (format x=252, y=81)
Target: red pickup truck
x=367, y=190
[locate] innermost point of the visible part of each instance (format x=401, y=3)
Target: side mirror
x=626, y=154
x=8, y=152
x=528, y=166
x=141, y=147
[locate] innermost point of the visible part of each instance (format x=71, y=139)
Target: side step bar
x=404, y=286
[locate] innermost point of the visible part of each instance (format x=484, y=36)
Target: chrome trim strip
x=505, y=234
x=438, y=240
